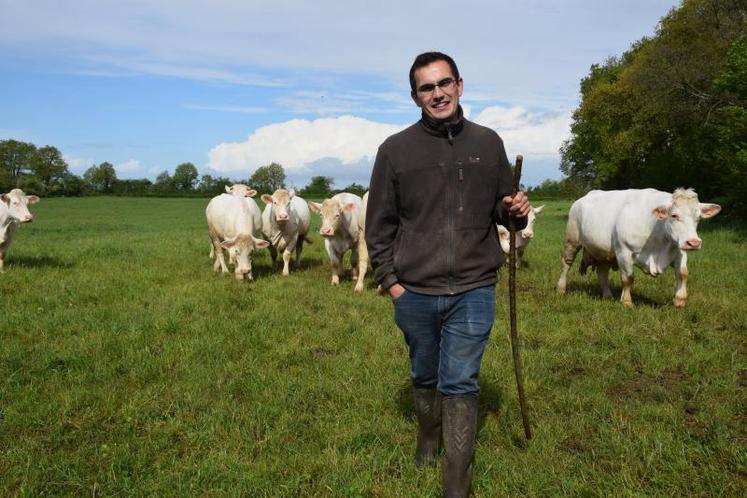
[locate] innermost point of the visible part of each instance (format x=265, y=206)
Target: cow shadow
x=491, y=400
x=38, y=262
x=592, y=290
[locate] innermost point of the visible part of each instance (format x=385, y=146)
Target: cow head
x=527, y=233
x=240, y=250
x=681, y=217
x=331, y=211
x=240, y=190
x=17, y=204
x=280, y=202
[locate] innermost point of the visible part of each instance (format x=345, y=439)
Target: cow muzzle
x=326, y=232
x=692, y=244
x=526, y=234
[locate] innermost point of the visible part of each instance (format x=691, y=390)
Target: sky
x=315, y=86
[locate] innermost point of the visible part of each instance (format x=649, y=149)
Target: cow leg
x=569, y=254
x=220, y=262
x=681, y=273
x=362, y=261
x=354, y=262
x=273, y=254
x=625, y=264
x=603, y=273
x=335, y=261
x=2, y=261
x=286, y=260
x=299, y=249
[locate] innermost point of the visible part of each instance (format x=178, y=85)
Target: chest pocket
x=477, y=187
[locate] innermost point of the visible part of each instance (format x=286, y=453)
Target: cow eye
x=675, y=216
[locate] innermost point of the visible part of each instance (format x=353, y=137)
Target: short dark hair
x=426, y=58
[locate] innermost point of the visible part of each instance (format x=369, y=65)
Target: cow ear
x=661, y=211
x=5, y=198
x=33, y=199
x=229, y=189
x=709, y=210
x=503, y=233
x=228, y=243
x=315, y=206
x=260, y=243
x=251, y=193
x=349, y=207
x=266, y=198
x=538, y=210
x=291, y=193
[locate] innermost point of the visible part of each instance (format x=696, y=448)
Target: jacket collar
x=448, y=129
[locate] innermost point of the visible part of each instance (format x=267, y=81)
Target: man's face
x=442, y=102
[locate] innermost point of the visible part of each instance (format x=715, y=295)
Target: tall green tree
x=267, y=179
x=101, y=178
x=185, y=177
x=655, y=117
x=48, y=166
x=164, y=182
x=16, y=157
x=319, y=187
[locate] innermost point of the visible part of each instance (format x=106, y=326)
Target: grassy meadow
x=129, y=368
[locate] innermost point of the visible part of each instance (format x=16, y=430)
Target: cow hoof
x=358, y=288
x=679, y=303
x=286, y=273
x=628, y=304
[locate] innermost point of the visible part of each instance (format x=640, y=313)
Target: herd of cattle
x=616, y=229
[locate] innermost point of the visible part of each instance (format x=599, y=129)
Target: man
x=437, y=190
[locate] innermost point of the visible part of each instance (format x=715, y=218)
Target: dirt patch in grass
x=667, y=385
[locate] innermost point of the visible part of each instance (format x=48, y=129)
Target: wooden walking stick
x=512, y=305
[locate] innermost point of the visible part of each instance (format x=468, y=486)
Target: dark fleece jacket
x=435, y=197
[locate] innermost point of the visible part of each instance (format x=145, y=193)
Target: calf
x=625, y=228
x=523, y=237
x=285, y=223
x=13, y=211
x=341, y=232
x=231, y=227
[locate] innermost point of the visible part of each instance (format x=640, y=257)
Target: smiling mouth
x=440, y=105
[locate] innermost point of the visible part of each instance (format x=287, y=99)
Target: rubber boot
x=428, y=411
x=459, y=429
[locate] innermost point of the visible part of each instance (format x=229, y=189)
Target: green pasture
x=128, y=368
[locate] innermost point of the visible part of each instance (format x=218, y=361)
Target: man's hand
x=517, y=206
x=395, y=291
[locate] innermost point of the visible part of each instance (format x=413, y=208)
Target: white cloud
x=127, y=167
x=78, y=165
x=298, y=142
x=539, y=135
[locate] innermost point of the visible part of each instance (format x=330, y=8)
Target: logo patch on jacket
x=473, y=159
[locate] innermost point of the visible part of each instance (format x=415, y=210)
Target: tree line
x=669, y=112
x=43, y=171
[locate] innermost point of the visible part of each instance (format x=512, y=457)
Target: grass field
x=129, y=368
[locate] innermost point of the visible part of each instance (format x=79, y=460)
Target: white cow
x=646, y=228
x=244, y=192
x=523, y=237
x=231, y=227
x=13, y=211
x=341, y=232
x=285, y=223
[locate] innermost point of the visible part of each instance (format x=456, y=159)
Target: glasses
x=427, y=89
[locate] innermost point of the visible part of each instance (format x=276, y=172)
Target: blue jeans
x=446, y=336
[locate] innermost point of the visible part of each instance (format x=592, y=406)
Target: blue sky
x=316, y=86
